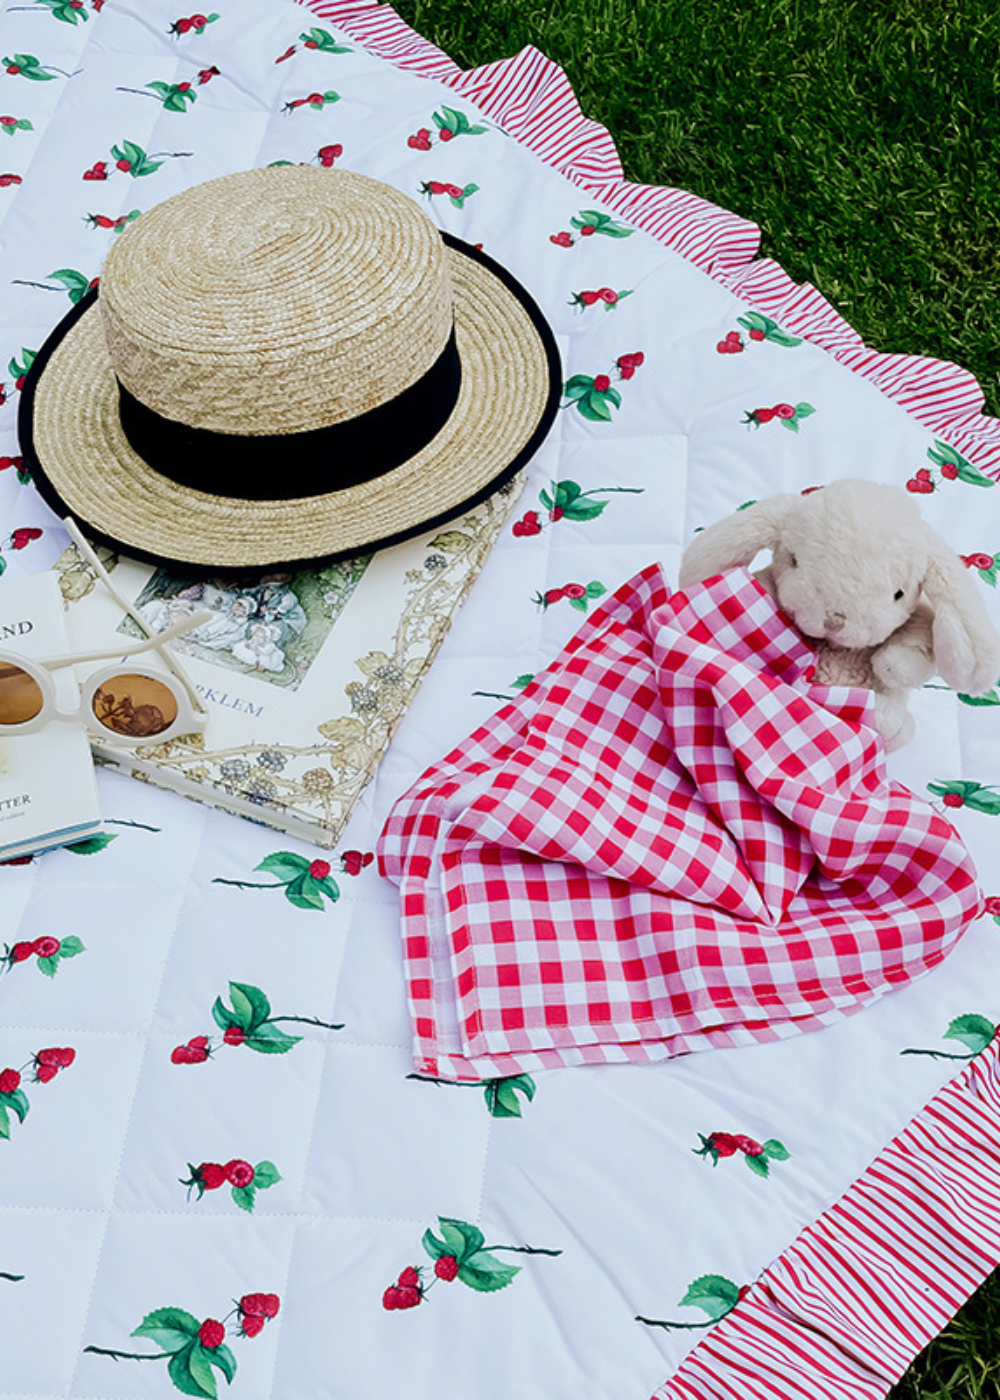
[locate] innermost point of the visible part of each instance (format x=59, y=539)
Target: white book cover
x=305, y=676
x=48, y=794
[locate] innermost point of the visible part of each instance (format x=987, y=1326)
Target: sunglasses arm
x=90, y=555
x=178, y=629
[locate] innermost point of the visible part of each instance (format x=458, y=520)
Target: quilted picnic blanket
x=221, y=1170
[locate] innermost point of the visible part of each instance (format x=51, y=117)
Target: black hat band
x=281, y=466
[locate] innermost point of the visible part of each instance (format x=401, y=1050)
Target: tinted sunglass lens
x=138, y=706
x=21, y=696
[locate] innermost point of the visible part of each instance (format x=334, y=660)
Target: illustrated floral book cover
x=305, y=676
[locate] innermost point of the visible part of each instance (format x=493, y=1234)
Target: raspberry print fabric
x=671, y=840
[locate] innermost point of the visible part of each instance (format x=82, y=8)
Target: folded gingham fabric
x=671, y=840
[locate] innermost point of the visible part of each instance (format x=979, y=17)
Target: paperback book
x=305, y=675
x=48, y=793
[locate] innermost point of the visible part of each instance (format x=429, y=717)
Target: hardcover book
x=305, y=676
x=48, y=795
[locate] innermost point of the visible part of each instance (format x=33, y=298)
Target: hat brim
x=74, y=446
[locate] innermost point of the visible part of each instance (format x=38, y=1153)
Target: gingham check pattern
x=671, y=840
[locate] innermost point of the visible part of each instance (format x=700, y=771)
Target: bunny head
x=850, y=564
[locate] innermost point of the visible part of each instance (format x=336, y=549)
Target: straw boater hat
x=282, y=367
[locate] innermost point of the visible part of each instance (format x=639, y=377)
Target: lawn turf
x=863, y=138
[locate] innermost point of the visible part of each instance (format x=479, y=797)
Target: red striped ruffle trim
x=532, y=99
x=842, y=1313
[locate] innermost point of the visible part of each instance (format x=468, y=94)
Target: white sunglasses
x=137, y=703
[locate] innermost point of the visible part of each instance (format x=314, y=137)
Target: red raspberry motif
x=953, y=799
x=251, y=1326
x=587, y=230
x=606, y=294
x=46, y=947
x=20, y=539
x=390, y=1298
x=553, y=596
x=18, y=464
x=21, y=951
x=529, y=524
x=454, y=191
x=601, y=383
x=446, y=1267
x=420, y=141
x=315, y=99
x=239, y=1173
x=757, y=334
x=8, y=121
x=763, y=415
x=445, y=135
x=234, y=1035
x=408, y=1297
x=588, y=298
x=920, y=484
x=749, y=1145
x=562, y=240
x=49, y=1062
x=409, y=1278
x=992, y=905
x=98, y=171
x=199, y=21
x=724, y=1144
x=205, y=75
x=259, y=1305
x=101, y=221
x=319, y=869
x=211, y=1175
x=328, y=154
x=193, y=1053
x=10, y=1081
x=13, y=69
x=573, y=590
x=183, y=87
x=123, y=164
x=211, y=1334
x=949, y=471
x=435, y=187
x=556, y=513
x=977, y=561
x=353, y=862
x=628, y=364
x=287, y=54
x=783, y=410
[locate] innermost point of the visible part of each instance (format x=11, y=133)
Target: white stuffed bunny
x=886, y=601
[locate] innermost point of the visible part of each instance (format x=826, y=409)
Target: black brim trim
x=52, y=498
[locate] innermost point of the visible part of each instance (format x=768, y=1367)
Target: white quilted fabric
x=599, y=1166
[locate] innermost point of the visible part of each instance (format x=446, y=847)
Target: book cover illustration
x=272, y=628
x=306, y=676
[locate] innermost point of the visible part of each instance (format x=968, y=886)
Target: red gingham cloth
x=670, y=840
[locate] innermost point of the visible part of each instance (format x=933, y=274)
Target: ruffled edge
x=875, y=1278
x=533, y=100
x=845, y=1309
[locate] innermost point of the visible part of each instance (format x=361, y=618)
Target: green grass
x=863, y=137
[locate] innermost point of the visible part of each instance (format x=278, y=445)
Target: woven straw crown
x=284, y=366
x=242, y=314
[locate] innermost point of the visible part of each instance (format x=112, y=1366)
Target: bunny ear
x=733, y=542
x=966, y=644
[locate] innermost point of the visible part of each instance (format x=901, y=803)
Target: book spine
x=134, y=767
